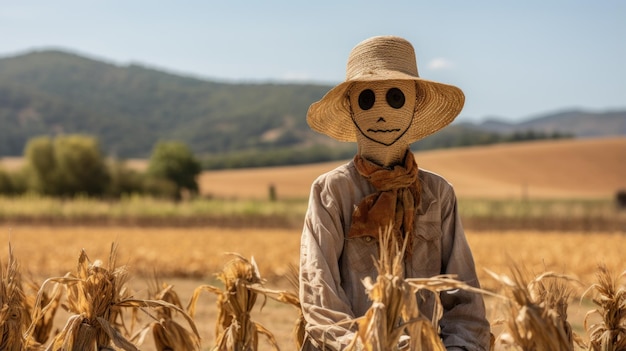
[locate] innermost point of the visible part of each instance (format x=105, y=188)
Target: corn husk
x=235, y=330
x=610, y=299
x=536, y=311
x=394, y=320
x=95, y=297
x=42, y=328
x=167, y=333
x=14, y=309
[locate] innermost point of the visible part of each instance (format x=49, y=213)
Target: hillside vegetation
x=130, y=108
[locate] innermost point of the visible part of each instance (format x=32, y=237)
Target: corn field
x=104, y=314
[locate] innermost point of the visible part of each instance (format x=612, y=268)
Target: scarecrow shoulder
x=338, y=180
x=435, y=183
x=342, y=174
x=340, y=187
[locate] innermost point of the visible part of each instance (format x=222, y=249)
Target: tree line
x=452, y=136
x=461, y=136
x=73, y=165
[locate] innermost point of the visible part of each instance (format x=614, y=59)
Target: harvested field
x=576, y=168
x=189, y=257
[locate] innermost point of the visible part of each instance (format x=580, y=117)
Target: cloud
x=440, y=63
x=295, y=76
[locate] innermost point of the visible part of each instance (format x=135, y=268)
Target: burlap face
x=383, y=111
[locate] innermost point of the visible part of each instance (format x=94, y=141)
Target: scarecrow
x=384, y=106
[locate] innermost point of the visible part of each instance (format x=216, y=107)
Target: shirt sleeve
x=324, y=303
x=464, y=324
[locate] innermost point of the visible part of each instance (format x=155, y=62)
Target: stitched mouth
x=383, y=130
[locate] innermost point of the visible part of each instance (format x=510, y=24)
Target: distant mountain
x=130, y=108
x=574, y=122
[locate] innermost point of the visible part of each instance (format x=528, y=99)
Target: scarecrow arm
x=463, y=325
x=324, y=303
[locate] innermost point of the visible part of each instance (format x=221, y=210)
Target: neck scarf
x=393, y=205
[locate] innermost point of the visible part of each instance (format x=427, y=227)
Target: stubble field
x=190, y=257
x=576, y=168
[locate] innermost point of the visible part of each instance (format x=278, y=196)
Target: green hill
x=130, y=108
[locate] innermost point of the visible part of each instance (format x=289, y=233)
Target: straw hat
x=385, y=58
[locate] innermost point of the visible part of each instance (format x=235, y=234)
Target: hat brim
x=437, y=105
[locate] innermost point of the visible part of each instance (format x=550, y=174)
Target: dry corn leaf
x=610, y=299
x=235, y=330
x=14, y=309
x=167, y=333
x=96, y=297
x=536, y=311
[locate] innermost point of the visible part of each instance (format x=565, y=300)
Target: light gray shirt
x=332, y=266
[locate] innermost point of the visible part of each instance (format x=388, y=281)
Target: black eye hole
x=367, y=99
x=395, y=98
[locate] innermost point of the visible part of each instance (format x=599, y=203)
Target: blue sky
x=513, y=59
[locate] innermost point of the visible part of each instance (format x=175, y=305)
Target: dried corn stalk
x=537, y=312
x=96, y=297
x=14, y=310
x=167, y=333
x=234, y=329
x=610, y=333
x=42, y=329
x=394, y=321
x=436, y=285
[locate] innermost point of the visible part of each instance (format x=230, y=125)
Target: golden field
x=575, y=168
x=189, y=257
x=197, y=253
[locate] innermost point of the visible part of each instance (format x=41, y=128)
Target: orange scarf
x=394, y=203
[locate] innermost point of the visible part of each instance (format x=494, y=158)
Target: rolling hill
x=582, y=168
x=130, y=108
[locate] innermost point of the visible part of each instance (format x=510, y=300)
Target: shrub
x=66, y=166
x=6, y=184
x=123, y=180
x=174, y=162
